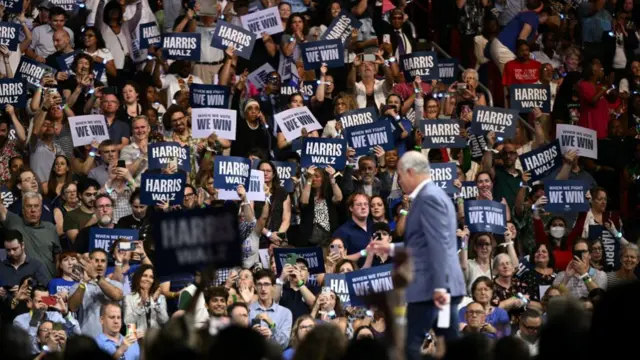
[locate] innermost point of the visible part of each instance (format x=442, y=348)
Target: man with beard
x=27, y=181
x=18, y=264
x=364, y=180
x=104, y=216
x=83, y=216
x=507, y=179
x=530, y=324
x=178, y=78
x=40, y=237
x=138, y=213
x=87, y=297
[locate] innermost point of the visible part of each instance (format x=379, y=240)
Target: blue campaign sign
x=65, y=61
x=98, y=70
x=338, y=284
x=523, y=98
x=542, y=161
x=364, y=282
x=32, y=72
x=469, y=190
x=155, y=188
x=611, y=247
x=313, y=256
x=499, y=120
x=441, y=134
x=68, y=5
x=149, y=35
x=443, y=175
x=566, y=196
x=209, y=96
x=9, y=35
x=227, y=34
x=421, y=63
x=164, y=153
x=358, y=117
x=314, y=54
x=231, y=171
x=309, y=88
x=103, y=238
x=323, y=152
x=340, y=28
x=13, y=92
x=477, y=144
x=485, y=216
x=189, y=241
x=181, y=46
x=363, y=138
x=285, y=171
x=12, y=6
x=448, y=70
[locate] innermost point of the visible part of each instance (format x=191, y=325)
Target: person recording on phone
x=110, y=340
x=397, y=35
x=291, y=290
x=579, y=277
x=107, y=158
x=44, y=307
x=51, y=337
x=269, y=319
x=382, y=233
x=18, y=264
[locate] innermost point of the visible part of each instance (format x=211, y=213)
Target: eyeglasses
x=105, y=206
x=263, y=285
x=189, y=195
x=67, y=192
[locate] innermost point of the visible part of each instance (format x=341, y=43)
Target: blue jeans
x=422, y=317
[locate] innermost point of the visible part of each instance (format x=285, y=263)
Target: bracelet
x=403, y=212
x=363, y=252
x=82, y=286
x=587, y=280
x=117, y=263
x=619, y=235
x=584, y=276
x=268, y=234
x=507, y=243
x=300, y=283
x=399, y=311
x=245, y=203
x=417, y=148
x=309, y=183
x=142, y=257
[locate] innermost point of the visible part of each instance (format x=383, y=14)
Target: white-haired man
x=430, y=236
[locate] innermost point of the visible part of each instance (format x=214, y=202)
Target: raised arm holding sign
x=291, y=122
x=87, y=129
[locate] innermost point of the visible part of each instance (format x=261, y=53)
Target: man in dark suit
x=430, y=236
x=396, y=35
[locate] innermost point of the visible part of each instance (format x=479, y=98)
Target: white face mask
x=557, y=232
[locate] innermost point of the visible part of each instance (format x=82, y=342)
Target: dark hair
x=552, y=259
x=11, y=235
x=529, y=314
x=98, y=250
x=86, y=184
x=142, y=98
x=521, y=42
x=40, y=288
x=100, y=196
x=481, y=173
x=264, y=274
x=297, y=93
x=283, y=3
x=288, y=29
x=100, y=44
x=384, y=205
x=232, y=307
x=344, y=261
x=112, y=5
x=474, y=239
x=275, y=180
x=81, y=55
x=108, y=142
x=134, y=195
x=166, y=118
x=482, y=279
x=52, y=184
x=137, y=276
x=57, y=11
x=215, y=291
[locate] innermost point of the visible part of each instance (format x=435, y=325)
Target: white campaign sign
x=259, y=76
x=583, y=140
x=255, y=192
x=87, y=128
x=205, y=121
x=267, y=20
x=291, y=122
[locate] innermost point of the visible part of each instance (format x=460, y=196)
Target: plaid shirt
x=121, y=206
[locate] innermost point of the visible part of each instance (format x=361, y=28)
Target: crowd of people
x=64, y=297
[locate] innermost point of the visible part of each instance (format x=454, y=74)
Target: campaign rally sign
x=13, y=92
x=524, y=97
x=421, y=63
x=338, y=284
x=323, y=152
x=162, y=187
x=358, y=117
x=285, y=171
x=164, y=153
x=448, y=70
x=363, y=138
x=313, y=255
x=308, y=88
x=477, y=144
x=316, y=53
x=542, y=161
x=485, y=216
x=103, y=238
x=291, y=122
x=258, y=77
x=566, y=196
x=98, y=70
x=255, y=191
x=206, y=121
x=231, y=171
x=150, y=35
x=340, y=28
x=12, y=6
x=441, y=134
x=227, y=34
x=87, y=128
x=32, y=72
x=583, y=140
x=211, y=96
x=67, y=5
x=263, y=21
x=364, y=282
x=499, y=120
x=611, y=247
x=9, y=33
x=65, y=61
x=181, y=46
x=469, y=190
x=443, y=175
x=188, y=241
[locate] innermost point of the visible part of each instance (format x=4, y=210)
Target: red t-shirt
x=593, y=117
x=516, y=72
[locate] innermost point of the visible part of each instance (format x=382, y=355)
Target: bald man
x=62, y=43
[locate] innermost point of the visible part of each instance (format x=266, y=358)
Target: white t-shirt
x=173, y=83
x=106, y=55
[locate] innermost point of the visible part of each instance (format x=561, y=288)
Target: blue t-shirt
x=509, y=35
x=58, y=285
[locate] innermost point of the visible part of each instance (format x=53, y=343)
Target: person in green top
x=507, y=179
